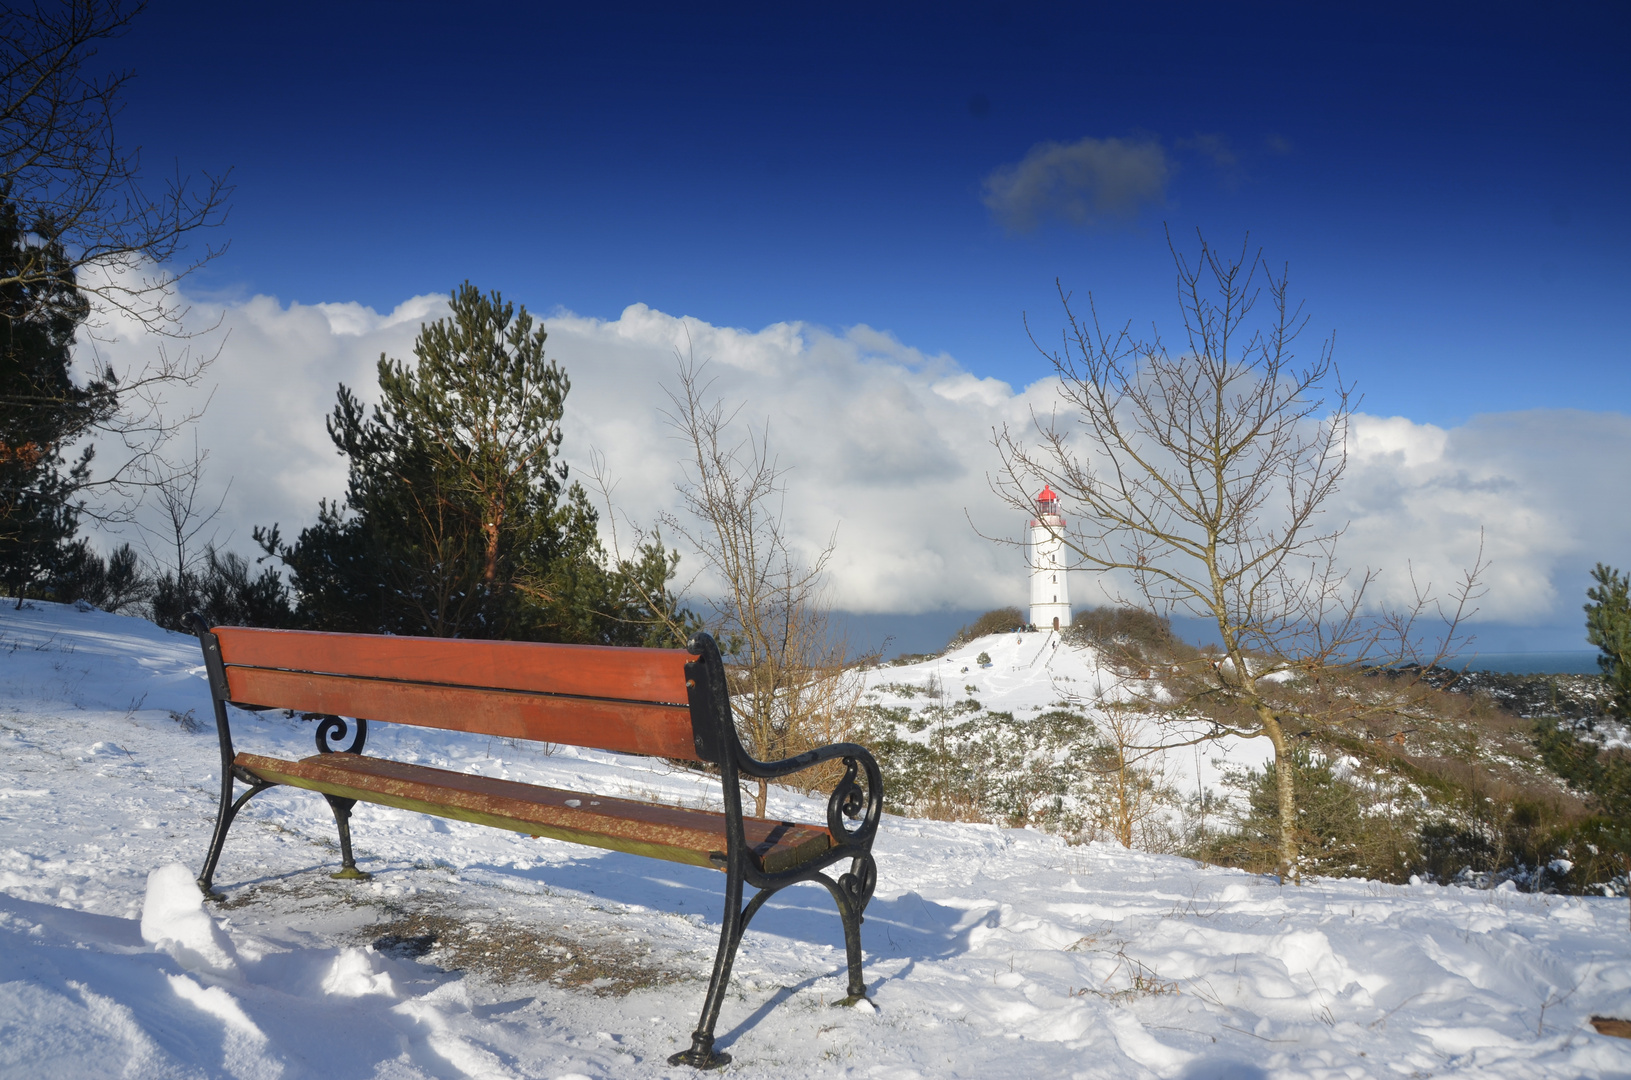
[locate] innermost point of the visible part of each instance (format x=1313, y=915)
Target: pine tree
x=458, y=519
x=1608, y=626
x=115, y=583
x=43, y=411
x=222, y=590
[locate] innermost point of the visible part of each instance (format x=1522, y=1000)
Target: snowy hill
x=1029, y=673
x=1020, y=729
x=476, y=953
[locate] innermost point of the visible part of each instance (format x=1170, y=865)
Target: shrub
x=1346, y=826
x=1126, y=626
x=1447, y=820
x=1001, y=621
x=112, y=584
x=224, y=593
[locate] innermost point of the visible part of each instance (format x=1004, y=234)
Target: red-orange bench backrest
x=623, y=700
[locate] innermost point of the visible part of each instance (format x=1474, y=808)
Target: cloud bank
x=1081, y=183
x=1547, y=487
x=891, y=447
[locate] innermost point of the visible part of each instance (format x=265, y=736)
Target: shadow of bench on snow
x=904, y=926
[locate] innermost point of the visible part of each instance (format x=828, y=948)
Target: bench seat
x=664, y=832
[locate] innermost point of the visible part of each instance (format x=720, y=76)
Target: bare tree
x=1133, y=772
x=80, y=220
x=135, y=432
x=1202, y=476
x=63, y=167
x=184, y=512
x=770, y=615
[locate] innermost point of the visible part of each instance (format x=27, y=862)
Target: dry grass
x=944, y=804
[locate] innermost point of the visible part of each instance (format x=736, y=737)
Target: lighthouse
x=1050, y=588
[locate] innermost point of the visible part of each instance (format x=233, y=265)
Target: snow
x=353, y=974
x=174, y=920
x=989, y=952
x=1028, y=673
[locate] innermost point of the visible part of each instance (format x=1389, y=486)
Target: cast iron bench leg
x=850, y=892
x=342, y=818
x=701, y=1054
x=223, y=822
x=849, y=913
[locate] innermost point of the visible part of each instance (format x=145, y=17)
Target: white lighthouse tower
x=1050, y=584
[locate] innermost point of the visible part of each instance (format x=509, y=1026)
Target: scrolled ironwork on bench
x=331, y=728
x=853, y=809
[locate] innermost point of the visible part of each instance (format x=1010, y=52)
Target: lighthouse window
x=1056, y=598
x=1056, y=579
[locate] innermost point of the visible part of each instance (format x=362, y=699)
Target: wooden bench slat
x=664, y=832
x=585, y=670
x=657, y=730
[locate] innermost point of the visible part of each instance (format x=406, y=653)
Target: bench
x=667, y=703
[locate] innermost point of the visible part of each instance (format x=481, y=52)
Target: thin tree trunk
x=1287, y=796
x=1124, y=823
x=491, y=528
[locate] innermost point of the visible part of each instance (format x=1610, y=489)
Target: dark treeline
x=44, y=410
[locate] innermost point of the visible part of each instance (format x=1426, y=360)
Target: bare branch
x=770, y=614
x=63, y=168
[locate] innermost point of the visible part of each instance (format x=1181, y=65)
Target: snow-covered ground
x=1028, y=673
x=990, y=953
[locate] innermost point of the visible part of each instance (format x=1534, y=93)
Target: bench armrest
x=850, y=800
x=216, y=672
x=856, y=797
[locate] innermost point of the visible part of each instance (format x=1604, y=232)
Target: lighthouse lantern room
x=1050, y=587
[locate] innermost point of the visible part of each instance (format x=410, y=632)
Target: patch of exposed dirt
x=451, y=933
x=508, y=949
x=304, y=888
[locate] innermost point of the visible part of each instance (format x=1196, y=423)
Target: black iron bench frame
x=854, y=809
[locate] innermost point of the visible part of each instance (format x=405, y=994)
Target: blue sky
x=1447, y=182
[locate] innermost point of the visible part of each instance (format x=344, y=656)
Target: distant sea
x=929, y=632
x=1572, y=662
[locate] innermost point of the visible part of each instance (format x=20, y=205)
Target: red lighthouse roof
x=1047, y=494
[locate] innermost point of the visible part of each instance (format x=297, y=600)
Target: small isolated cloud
x=1278, y=144
x=1081, y=182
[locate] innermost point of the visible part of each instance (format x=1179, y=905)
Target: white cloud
x=892, y=447
x=1546, y=486
x=1081, y=182
x=871, y=448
